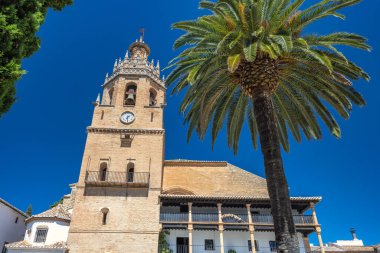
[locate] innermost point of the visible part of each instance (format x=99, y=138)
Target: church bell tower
x=116, y=207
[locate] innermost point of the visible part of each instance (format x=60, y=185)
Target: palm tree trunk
x=284, y=228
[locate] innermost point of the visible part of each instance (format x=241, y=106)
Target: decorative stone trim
x=136, y=67
x=126, y=131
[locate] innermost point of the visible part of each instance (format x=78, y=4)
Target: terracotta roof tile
x=27, y=245
x=338, y=248
x=327, y=249
x=358, y=248
x=212, y=179
x=58, y=211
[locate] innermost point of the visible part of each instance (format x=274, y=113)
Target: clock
x=127, y=117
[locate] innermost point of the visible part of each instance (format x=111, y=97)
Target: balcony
x=239, y=248
x=210, y=218
x=118, y=179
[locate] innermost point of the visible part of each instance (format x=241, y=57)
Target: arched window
x=105, y=212
x=130, y=172
x=152, y=97
x=103, y=171
x=130, y=95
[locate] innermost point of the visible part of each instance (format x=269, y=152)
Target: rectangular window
x=250, y=246
x=16, y=220
x=41, y=234
x=273, y=246
x=209, y=244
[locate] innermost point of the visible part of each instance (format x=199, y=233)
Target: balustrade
x=265, y=219
x=107, y=178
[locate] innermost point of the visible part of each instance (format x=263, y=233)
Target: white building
x=47, y=231
x=12, y=223
x=348, y=246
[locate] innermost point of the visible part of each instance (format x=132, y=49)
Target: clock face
x=127, y=117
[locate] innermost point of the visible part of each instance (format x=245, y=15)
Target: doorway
x=182, y=245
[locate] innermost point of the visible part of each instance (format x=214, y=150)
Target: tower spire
x=139, y=49
x=142, y=32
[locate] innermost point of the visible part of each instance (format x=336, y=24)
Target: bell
x=131, y=97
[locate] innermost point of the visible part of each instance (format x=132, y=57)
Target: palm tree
x=250, y=61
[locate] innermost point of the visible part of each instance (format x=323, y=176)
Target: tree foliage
x=19, y=22
x=57, y=203
x=29, y=211
x=314, y=75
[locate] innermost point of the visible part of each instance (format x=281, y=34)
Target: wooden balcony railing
x=174, y=217
x=260, y=219
x=110, y=178
x=202, y=217
x=268, y=219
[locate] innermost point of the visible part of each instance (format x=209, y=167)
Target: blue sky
x=43, y=136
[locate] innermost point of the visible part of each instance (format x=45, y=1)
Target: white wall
x=236, y=240
x=58, y=231
x=349, y=242
x=9, y=230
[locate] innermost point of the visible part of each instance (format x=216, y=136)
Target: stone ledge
x=127, y=131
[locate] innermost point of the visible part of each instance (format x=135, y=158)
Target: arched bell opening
x=152, y=97
x=130, y=95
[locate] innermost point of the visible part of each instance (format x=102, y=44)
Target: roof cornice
x=180, y=162
x=314, y=199
x=136, y=67
x=33, y=218
x=13, y=208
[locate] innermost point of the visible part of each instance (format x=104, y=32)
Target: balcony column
x=220, y=227
x=317, y=227
x=251, y=228
x=306, y=242
x=190, y=228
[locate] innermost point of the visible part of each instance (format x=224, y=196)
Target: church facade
x=130, y=199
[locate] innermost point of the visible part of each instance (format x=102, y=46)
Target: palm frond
x=314, y=74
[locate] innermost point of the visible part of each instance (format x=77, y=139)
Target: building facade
x=129, y=199
x=213, y=206
x=121, y=173
x=12, y=223
x=47, y=231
